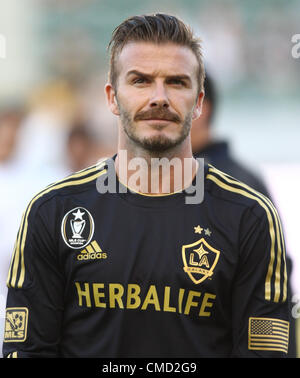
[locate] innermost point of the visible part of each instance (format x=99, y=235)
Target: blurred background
x=53, y=114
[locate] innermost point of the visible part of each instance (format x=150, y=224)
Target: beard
x=159, y=143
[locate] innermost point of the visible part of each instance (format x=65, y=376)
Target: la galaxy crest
x=199, y=260
x=77, y=228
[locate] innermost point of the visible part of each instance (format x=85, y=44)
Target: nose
x=159, y=96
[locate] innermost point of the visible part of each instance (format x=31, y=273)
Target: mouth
x=158, y=123
x=159, y=120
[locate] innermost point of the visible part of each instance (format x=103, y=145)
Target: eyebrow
x=149, y=76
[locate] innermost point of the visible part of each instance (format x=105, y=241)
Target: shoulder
x=246, y=175
x=229, y=189
x=261, y=233
x=71, y=185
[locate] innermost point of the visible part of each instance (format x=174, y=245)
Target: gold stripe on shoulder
x=12, y=355
x=279, y=235
x=86, y=171
x=89, y=170
x=76, y=179
x=100, y=165
x=249, y=192
x=15, y=258
x=280, y=240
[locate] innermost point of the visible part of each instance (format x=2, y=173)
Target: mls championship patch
x=77, y=228
x=16, y=320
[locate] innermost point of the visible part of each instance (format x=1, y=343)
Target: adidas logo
x=92, y=252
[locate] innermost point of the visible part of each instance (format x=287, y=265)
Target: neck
x=153, y=173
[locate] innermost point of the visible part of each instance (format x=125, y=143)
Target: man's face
x=157, y=94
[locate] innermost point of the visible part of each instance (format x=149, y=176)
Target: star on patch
x=198, y=229
x=207, y=231
x=78, y=214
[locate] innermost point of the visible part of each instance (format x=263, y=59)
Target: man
x=142, y=272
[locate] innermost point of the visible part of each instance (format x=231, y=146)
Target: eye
x=140, y=80
x=178, y=82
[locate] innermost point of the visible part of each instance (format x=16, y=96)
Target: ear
x=198, y=107
x=111, y=99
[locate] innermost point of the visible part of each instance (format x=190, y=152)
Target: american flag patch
x=268, y=334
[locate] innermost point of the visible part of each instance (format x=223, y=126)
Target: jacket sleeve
x=260, y=310
x=35, y=290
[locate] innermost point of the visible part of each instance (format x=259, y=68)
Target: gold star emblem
x=198, y=229
x=201, y=251
x=207, y=231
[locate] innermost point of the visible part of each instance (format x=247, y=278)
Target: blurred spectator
x=10, y=195
x=9, y=126
x=218, y=154
x=24, y=171
x=52, y=107
x=81, y=147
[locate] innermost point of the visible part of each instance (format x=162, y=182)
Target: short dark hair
x=157, y=28
x=210, y=95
